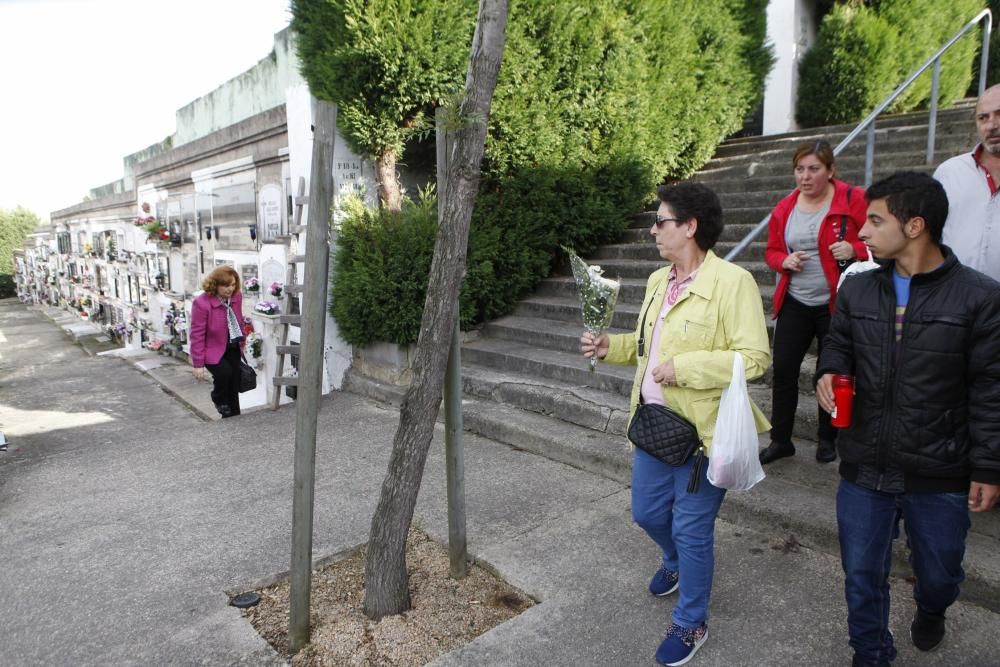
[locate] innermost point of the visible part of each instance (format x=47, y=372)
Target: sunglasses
x=660, y=221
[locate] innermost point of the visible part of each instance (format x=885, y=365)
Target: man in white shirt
x=971, y=180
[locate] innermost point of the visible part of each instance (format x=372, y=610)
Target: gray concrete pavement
x=125, y=518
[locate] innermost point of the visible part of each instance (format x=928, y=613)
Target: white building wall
x=258, y=89
x=791, y=31
x=351, y=174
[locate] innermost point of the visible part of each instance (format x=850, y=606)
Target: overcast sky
x=86, y=82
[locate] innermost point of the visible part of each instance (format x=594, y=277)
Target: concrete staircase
x=526, y=384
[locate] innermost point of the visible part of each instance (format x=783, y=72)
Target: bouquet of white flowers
x=598, y=296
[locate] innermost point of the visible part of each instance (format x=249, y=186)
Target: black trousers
x=797, y=325
x=226, y=376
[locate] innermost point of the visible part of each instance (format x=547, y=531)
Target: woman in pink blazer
x=217, y=337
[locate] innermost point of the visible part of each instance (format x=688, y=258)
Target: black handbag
x=842, y=264
x=248, y=376
x=667, y=437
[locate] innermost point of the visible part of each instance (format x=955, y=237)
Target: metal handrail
x=869, y=122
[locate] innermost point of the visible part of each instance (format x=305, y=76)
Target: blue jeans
x=868, y=522
x=682, y=524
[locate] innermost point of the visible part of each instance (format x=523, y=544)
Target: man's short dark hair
x=909, y=194
x=695, y=200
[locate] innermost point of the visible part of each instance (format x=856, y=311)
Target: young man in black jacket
x=921, y=336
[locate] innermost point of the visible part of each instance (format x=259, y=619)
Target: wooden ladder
x=292, y=291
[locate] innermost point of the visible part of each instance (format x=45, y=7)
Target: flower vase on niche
x=253, y=231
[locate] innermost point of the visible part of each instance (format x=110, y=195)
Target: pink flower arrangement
x=276, y=289
x=266, y=307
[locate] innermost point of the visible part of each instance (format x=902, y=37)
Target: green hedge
x=862, y=53
x=596, y=103
x=380, y=271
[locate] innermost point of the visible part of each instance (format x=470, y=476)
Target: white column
x=299, y=112
x=790, y=31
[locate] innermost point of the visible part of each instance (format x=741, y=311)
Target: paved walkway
x=126, y=518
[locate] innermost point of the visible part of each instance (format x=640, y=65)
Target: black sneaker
x=927, y=630
x=224, y=410
x=775, y=451
x=826, y=451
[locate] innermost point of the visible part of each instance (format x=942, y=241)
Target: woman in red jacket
x=812, y=236
x=217, y=337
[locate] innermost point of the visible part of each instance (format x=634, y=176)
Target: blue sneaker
x=680, y=644
x=664, y=582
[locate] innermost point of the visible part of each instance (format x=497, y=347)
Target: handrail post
x=984, y=57
x=869, y=153
x=454, y=447
x=932, y=120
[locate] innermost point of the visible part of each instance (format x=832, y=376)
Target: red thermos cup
x=843, y=396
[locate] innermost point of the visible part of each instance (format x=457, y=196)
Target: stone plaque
x=271, y=271
x=269, y=202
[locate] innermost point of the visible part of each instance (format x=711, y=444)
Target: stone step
x=551, y=334
x=631, y=292
x=958, y=109
x=949, y=138
x=595, y=451
x=632, y=289
x=621, y=268
x=767, y=198
x=558, y=365
x=567, y=309
x=591, y=408
x=956, y=118
x=732, y=232
x=737, y=221
x=540, y=332
x=646, y=250
x=849, y=168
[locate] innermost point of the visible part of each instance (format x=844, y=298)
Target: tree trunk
x=389, y=193
x=386, y=586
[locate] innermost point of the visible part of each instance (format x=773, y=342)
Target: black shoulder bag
x=844, y=263
x=248, y=376
x=664, y=434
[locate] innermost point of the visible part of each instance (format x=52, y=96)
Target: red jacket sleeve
x=199, y=331
x=776, y=250
x=856, y=220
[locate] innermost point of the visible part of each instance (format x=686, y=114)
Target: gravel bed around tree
x=445, y=613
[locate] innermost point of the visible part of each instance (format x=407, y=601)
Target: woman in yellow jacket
x=699, y=311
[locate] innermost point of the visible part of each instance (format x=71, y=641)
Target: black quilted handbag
x=248, y=377
x=666, y=436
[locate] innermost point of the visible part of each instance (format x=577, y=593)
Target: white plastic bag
x=858, y=267
x=733, y=462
